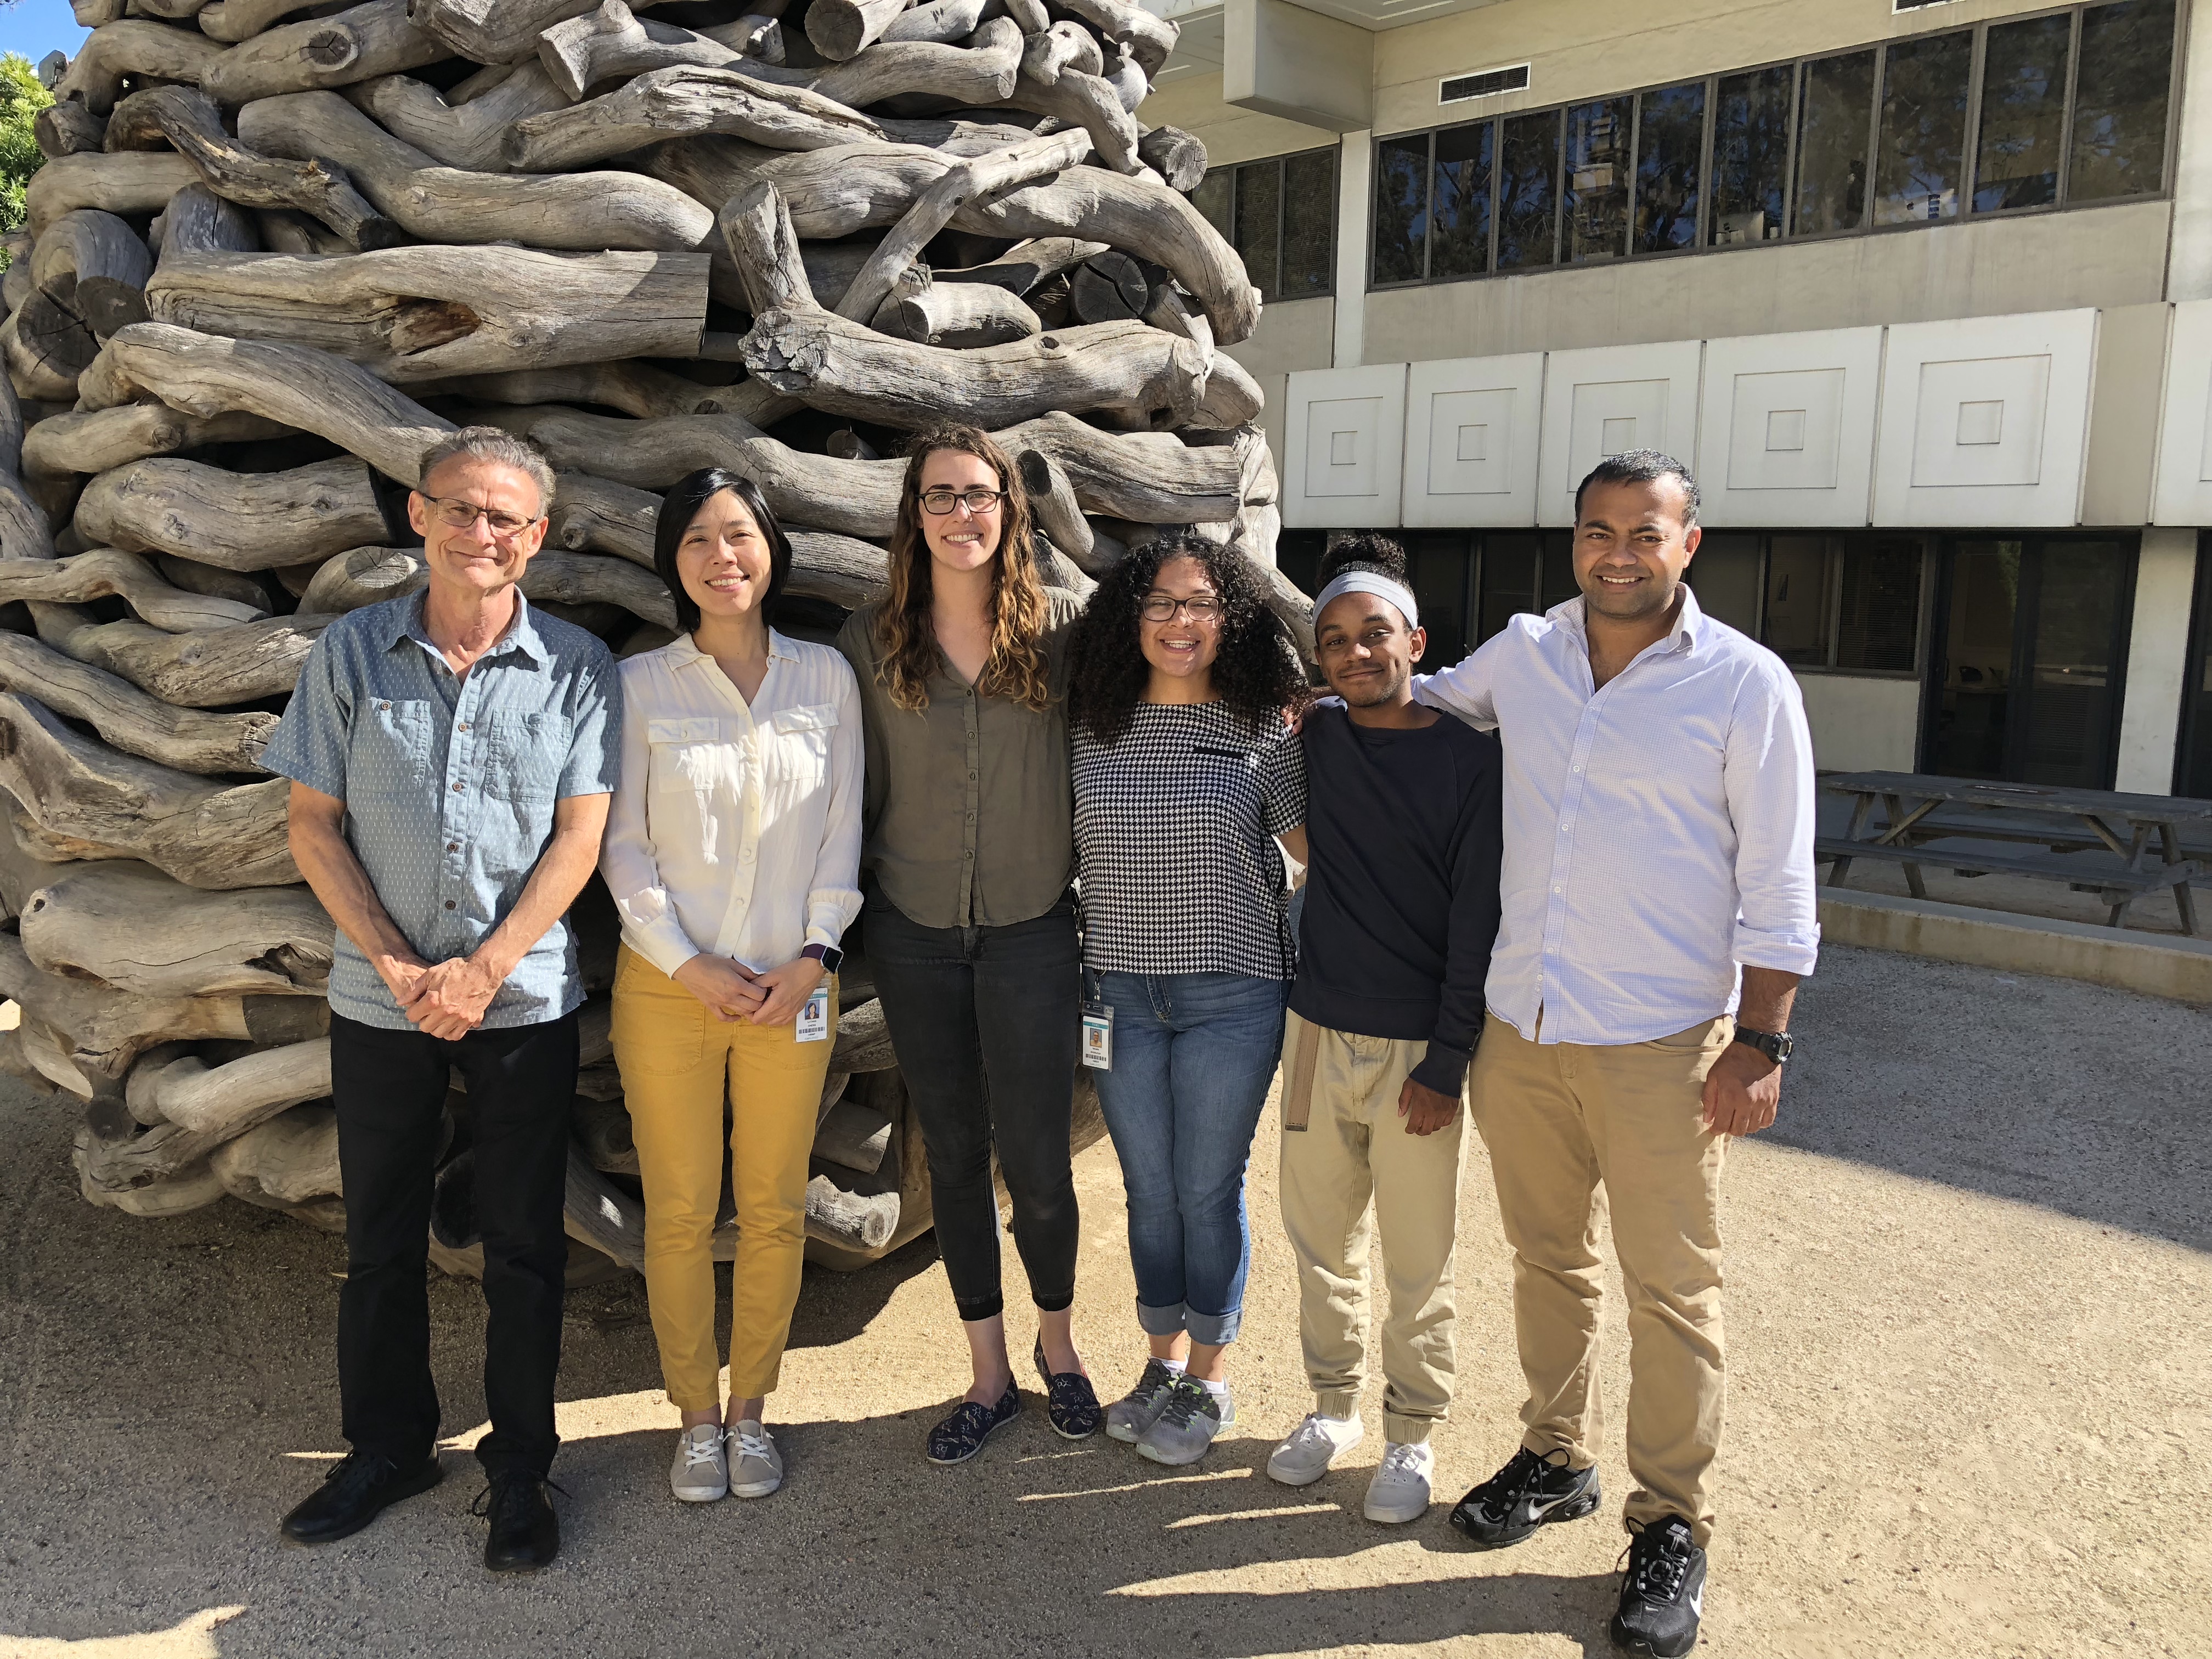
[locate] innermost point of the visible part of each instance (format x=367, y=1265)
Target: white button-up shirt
x=736, y=831
x=1658, y=830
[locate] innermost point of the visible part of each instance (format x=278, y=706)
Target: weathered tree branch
x=128, y=925
x=189, y=121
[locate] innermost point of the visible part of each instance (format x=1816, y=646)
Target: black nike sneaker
x=1528, y=1493
x=1662, y=1594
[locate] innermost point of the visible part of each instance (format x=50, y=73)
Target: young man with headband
x=1400, y=909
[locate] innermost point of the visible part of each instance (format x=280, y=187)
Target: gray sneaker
x=755, y=1466
x=699, y=1474
x=1186, y=1425
x=1136, y=1411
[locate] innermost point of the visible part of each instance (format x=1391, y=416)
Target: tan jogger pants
x=1560, y=1120
x=1353, y=1160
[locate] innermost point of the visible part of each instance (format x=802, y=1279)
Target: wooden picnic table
x=2098, y=840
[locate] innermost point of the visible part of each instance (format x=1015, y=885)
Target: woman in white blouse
x=732, y=850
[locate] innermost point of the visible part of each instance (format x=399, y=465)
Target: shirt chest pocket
x=687, y=754
x=389, y=750
x=800, y=752
x=527, y=754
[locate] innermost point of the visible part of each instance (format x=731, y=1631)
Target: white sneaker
x=1312, y=1447
x=1398, y=1490
x=755, y=1466
x=701, y=1473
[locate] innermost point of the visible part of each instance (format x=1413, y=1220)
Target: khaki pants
x=677, y=1062
x=1560, y=1120
x=1355, y=1158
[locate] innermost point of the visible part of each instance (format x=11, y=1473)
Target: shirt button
x=449, y=904
x=458, y=788
x=465, y=726
x=453, y=847
x=385, y=706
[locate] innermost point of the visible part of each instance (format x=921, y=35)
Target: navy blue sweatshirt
x=1401, y=901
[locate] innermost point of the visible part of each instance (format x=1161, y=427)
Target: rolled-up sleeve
x=1768, y=775
x=595, y=745
x=627, y=857
x=311, y=742
x=833, y=897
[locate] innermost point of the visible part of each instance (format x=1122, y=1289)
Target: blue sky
x=35, y=27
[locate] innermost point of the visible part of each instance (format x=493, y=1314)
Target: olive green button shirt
x=968, y=813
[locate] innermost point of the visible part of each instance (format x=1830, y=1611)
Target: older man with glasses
x=451, y=755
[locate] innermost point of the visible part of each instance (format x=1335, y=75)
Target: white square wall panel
x=1786, y=436
x=1343, y=437
x=1985, y=421
x=1605, y=400
x=1472, y=426
x=2182, y=493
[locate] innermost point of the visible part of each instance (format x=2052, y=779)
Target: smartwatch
x=1777, y=1046
x=829, y=956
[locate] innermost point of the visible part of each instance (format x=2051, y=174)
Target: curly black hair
x=1256, y=672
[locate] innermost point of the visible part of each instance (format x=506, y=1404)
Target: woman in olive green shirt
x=968, y=922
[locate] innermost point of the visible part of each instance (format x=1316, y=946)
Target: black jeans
x=390, y=1089
x=985, y=1022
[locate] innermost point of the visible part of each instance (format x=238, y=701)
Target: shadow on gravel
x=2090, y=1102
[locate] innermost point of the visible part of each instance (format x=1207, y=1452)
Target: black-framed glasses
x=1200, y=608
x=939, y=502
x=457, y=514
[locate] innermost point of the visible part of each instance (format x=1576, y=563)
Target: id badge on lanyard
x=814, y=1018
x=1097, y=1037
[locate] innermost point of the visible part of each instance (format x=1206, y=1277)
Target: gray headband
x=1369, y=581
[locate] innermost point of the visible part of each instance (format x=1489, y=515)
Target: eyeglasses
x=457, y=514
x=939, y=502
x=1200, y=607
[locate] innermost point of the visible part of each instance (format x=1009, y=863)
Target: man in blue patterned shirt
x=453, y=754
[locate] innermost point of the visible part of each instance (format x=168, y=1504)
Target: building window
x=1849, y=602
x=1281, y=216
x=2069, y=108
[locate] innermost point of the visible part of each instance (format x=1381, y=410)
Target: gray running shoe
x=755, y=1466
x=1186, y=1425
x=1136, y=1411
x=700, y=1473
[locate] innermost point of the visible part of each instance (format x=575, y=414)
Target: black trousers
x=389, y=1091
x=985, y=1022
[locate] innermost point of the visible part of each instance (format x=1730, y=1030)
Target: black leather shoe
x=353, y=1493
x=525, y=1533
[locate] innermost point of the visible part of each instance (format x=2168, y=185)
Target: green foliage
x=21, y=98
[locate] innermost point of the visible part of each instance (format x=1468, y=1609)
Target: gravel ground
x=1969, y=1296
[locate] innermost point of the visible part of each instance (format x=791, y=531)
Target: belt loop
x=1298, y=1104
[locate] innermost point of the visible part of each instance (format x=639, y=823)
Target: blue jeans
x=1193, y=1055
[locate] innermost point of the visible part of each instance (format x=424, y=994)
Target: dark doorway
x=2030, y=656
x=2192, y=767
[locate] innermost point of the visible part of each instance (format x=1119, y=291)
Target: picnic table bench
x=2096, y=840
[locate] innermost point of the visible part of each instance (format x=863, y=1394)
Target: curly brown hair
x=1016, y=669
x=1256, y=672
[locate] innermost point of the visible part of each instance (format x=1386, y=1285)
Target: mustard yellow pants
x=678, y=1063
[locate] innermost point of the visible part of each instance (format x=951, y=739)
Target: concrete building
x=1922, y=288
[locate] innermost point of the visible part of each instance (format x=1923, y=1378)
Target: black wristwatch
x=1775, y=1045
x=829, y=956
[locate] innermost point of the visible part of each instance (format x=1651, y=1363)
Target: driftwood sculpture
x=279, y=250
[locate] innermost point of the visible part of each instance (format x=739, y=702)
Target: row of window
x=1850, y=601
x=1281, y=216
x=2064, y=109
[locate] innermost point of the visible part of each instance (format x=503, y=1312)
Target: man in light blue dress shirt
x=453, y=754
x=1658, y=911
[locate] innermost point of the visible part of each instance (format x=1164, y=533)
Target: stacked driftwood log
x=278, y=250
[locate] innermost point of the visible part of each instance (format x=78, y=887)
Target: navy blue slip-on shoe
x=961, y=1435
x=1070, y=1402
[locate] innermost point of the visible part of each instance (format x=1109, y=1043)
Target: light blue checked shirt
x=450, y=783
x=1658, y=828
